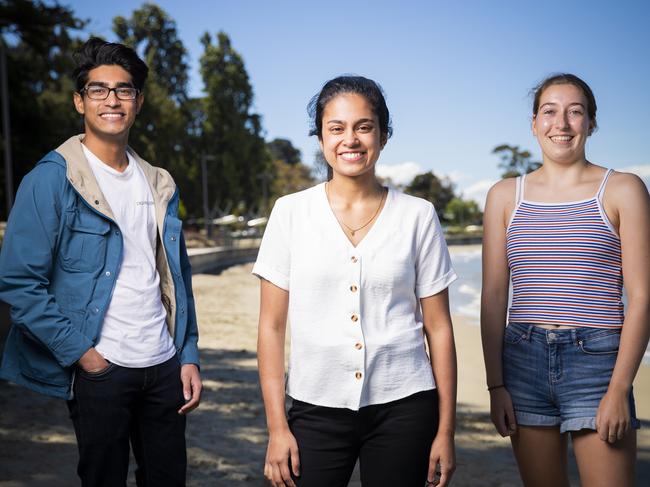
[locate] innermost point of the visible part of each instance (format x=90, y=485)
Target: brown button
x=358, y=346
x=358, y=375
x=353, y=288
x=354, y=259
x=354, y=318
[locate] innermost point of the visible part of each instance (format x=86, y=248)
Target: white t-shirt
x=356, y=323
x=134, y=332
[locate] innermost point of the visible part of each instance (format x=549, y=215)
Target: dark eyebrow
x=104, y=84
x=552, y=103
x=363, y=120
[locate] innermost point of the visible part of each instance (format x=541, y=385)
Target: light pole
x=207, y=214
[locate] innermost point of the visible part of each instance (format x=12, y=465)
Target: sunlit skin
x=562, y=124
x=351, y=140
x=605, y=456
x=107, y=122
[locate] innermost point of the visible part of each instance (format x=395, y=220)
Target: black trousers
x=122, y=404
x=392, y=442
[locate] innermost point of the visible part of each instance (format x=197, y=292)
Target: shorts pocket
x=514, y=334
x=602, y=344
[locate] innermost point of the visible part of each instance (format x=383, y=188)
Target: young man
x=96, y=272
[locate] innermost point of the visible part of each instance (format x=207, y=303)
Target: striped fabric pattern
x=565, y=263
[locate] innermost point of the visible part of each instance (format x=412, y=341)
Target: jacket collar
x=82, y=179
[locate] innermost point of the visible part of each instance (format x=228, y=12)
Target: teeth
x=561, y=138
x=111, y=115
x=350, y=156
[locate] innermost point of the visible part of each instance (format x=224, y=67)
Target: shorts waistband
x=561, y=335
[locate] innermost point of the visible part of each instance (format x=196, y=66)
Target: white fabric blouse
x=356, y=323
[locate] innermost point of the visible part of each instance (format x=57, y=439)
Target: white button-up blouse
x=356, y=322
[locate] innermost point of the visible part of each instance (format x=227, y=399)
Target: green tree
x=38, y=46
x=438, y=191
x=231, y=132
x=289, y=174
x=284, y=150
x=463, y=212
x=163, y=132
x=514, y=161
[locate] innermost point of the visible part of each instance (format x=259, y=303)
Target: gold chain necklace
x=350, y=229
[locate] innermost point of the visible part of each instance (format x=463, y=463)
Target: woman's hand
x=442, y=460
x=613, y=416
x=502, y=412
x=282, y=447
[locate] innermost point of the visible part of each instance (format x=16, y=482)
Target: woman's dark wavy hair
x=97, y=52
x=567, y=79
x=359, y=85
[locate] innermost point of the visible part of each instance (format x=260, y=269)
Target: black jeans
x=119, y=404
x=392, y=442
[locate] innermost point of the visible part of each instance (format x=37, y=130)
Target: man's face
x=108, y=119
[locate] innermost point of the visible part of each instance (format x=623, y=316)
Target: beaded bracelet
x=491, y=388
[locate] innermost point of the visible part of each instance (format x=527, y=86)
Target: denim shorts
x=558, y=377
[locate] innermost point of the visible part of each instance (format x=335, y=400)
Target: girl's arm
x=274, y=304
x=440, y=339
x=628, y=202
x=494, y=300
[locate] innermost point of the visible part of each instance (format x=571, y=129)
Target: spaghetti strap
x=521, y=182
x=601, y=188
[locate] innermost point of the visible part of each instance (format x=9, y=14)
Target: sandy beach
x=227, y=436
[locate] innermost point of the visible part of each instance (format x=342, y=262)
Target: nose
x=350, y=138
x=562, y=120
x=112, y=100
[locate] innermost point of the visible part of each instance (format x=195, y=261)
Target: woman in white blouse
x=361, y=271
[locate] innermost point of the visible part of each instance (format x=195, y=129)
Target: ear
x=139, y=101
x=591, y=128
x=382, y=141
x=320, y=143
x=533, y=125
x=78, y=101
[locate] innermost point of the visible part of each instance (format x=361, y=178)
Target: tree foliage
x=231, y=132
x=463, y=212
x=283, y=149
x=438, y=191
x=38, y=46
x=514, y=161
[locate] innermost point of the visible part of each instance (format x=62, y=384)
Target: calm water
x=465, y=293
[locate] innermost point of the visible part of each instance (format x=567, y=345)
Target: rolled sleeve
x=274, y=257
x=434, y=272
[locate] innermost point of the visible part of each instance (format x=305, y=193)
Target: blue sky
x=457, y=74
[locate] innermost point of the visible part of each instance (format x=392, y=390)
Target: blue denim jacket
x=60, y=256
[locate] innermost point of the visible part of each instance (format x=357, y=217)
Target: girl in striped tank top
x=567, y=235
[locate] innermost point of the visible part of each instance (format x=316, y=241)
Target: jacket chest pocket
x=83, y=243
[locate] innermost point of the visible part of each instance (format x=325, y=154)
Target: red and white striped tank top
x=565, y=263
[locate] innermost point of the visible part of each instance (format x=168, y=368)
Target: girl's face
x=351, y=139
x=562, y=124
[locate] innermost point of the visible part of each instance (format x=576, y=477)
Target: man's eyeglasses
x=102, y=92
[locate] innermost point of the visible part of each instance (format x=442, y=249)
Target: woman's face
x=562, y=124
x=351, y=139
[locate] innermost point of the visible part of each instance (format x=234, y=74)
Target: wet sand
x=226, y=436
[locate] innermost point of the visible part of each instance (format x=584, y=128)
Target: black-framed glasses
x=95, y=92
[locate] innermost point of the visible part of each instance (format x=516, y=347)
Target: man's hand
x=92, y=361
x=191, y=387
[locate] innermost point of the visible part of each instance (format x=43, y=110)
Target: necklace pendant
x=352, y=232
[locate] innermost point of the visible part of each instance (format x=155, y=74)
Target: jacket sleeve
x=27, y=259
x=190, y=350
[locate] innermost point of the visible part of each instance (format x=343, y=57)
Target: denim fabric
x=121, y=404
x=392, y=442
x=58, y=264
x=558, y=377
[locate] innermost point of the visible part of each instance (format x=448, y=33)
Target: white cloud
x=643, y=171
x=402, y=173
x=478, y=191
